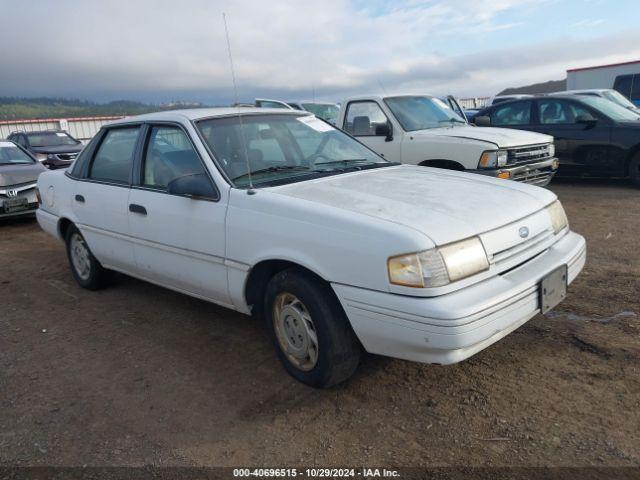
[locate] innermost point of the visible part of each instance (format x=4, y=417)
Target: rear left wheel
x=84, y=266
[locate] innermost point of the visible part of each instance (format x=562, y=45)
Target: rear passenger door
x=179, y=240
x=100, y=200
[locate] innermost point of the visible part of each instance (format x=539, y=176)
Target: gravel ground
x=139, y=375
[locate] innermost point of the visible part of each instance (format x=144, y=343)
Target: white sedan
x=278, y=214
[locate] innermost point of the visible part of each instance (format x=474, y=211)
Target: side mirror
x=586, y=119
x=385, y=130
x=194, y=185
x=482, y=121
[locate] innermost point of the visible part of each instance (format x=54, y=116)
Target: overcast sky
x=160, y=50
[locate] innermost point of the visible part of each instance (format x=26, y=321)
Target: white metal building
x=623, y=77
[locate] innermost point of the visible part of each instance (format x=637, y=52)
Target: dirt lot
x=138, y=375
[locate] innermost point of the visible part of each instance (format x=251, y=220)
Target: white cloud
x=119, y=48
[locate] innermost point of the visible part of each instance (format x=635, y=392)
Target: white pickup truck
x=424, y=130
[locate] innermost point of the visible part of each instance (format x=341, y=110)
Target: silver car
x=19, y=173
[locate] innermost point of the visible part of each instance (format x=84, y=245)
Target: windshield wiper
x=451, y=121
x=278, y=168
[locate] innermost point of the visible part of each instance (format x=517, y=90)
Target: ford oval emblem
x=523, y=232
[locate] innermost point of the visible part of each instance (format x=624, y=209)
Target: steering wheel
x=312, y=159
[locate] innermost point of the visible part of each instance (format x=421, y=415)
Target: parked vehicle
x=593, y=136
x=424, y=130
x=324, y=110
x=506, y=98
x=622, y=77
x=19, y=172
x=54, y=148
x=606, y=93
x=266, y=103
x=334, y=246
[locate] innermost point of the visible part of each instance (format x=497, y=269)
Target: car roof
x=191, y=114
x=390, y=95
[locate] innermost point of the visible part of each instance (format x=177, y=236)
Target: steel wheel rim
x=295, y=331
x=80, y=256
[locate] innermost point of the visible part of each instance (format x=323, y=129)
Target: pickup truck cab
x=424, y=130
x=281, y=215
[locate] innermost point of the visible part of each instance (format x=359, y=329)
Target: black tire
x=338, y=349
x=634, y=170
x=96, y=276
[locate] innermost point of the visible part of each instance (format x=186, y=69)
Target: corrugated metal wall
x=81, y=128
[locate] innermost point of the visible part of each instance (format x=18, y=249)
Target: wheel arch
x=633, y=153
x=443, y=163
x=260, y=274
x=63, y=227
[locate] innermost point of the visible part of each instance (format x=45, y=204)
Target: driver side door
x=362, y=119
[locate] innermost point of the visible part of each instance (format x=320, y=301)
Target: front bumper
x=25, y=194
x=538, y=173
x=450, y=328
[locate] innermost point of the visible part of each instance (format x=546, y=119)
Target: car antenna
x=250, y=191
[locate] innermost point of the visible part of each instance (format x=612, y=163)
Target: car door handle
x=79, y=199
x=137, y=209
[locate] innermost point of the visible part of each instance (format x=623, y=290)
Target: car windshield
x=618, y=98
x=12, y=155
x=51, y=139
x=326, y=111
x=421, y=112
x=611, y=109
x=282, y=148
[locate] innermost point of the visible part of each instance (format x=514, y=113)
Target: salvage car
x=19, y=173
x=279, y=214
x=594, y=136
x=425, y=130
x=54, y=148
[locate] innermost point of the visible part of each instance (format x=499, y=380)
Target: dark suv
x=593, y=136
x=54, y=148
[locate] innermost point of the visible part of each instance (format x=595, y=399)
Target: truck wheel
x=85, y=268
x=310, y=331
x=634, y=170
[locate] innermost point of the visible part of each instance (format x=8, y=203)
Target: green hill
x=12, y=108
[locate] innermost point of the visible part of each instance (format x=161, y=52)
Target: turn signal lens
x=38, y=197
x=504, y=175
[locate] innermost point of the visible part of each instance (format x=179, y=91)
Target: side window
x=21, y=140
x=514, y=113
x=169, y=155
x=635, y=89
x=363, y=117
x=268, y=104
x=576, y=110
x=553, y=112
x=112, y=162
x=623, y=84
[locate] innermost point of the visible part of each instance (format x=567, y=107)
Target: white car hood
x=501, y=137
x=442, y=204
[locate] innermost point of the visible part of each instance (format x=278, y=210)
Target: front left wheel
x=634, y=170
x=84, y=266
x=309, y=329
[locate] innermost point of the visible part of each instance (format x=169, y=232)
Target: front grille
x=528, y=154
x=527, y=249
x=67, y=156
x=535, y=177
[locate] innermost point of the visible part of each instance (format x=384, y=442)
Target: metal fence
x=476, y=102
x=82, y=128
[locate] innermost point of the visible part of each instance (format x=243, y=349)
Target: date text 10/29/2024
x=316, y=472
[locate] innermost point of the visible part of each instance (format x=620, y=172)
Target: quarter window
x=623, y=85
x=169, y=155
x=515, y=113
x=113, y=160
x=635, y=88
x=363, y=118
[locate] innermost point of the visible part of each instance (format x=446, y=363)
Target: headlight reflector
x=552, y=149
x=493, y=159
x=558, y=217
x=438, y=266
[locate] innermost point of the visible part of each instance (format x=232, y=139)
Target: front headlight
x=558, y=217
x=552, y=149
x=493, y=159
x=438, y=266
x=41, y=157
